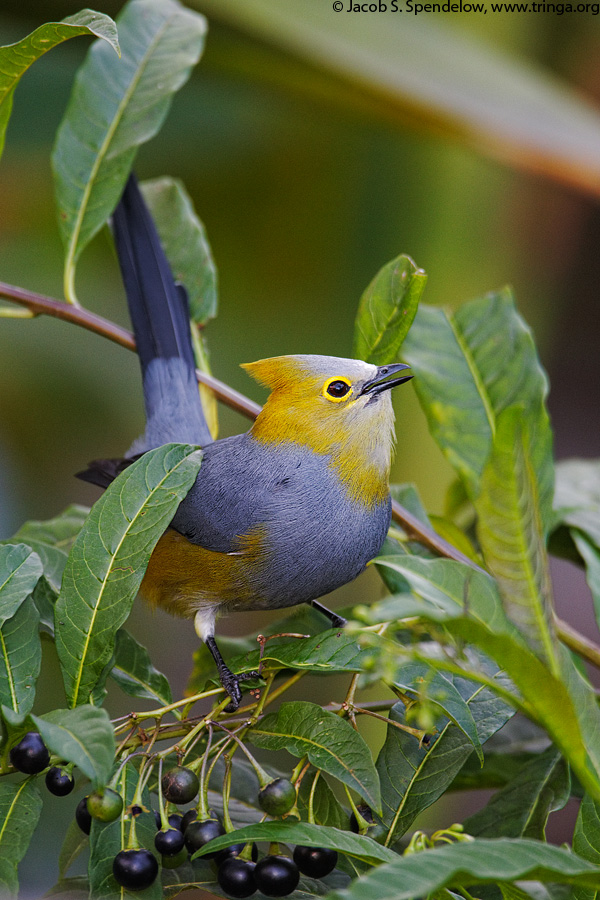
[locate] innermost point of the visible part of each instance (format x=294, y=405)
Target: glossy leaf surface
x=134, y=672
x=469, y=366
x=52, y=540
x=20, y=570
x=329, y=742
x=20, y=808
x=386, y=311
x=160, y=43
x=521, y=809
x=514, y=509
x=586, y=841
x=184, y=240
x=564, y=705
x=413, y=776
x=108, y=559
x=20, y=658
x=357, y=845
x=465, y=864
x=83, y=736
x=16, y=58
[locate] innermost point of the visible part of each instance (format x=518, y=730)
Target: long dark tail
x=159, y=313
x=160, y=317
x=157, y=306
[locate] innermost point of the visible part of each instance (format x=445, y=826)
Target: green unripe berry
x=277, y=797
x=105, y=805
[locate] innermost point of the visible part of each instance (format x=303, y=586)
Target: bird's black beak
x=382, y=380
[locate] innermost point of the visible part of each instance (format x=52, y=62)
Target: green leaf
x=356, y=845
x=417, y=679
x=134, y=673
x=53, y=539
x=184, y=240
x=326, y=809
x=469, y=366
x=522, y=808
x=108, y=559
x=565, y=706
x=15, y=59
x=586, y=840
x=109, y=838
x=446, y=587
x=331, y=651
x=386, y=311
x=419, y=69
x=513, y=510
x=59, y=531
x=75, y=888
x=83, y=736
x=20, y=808
x=20, y=658
x=330, y=743
x=477, y=862
x=160, y=42
x=413, y=776
x=20, y=570
x=74, y=843
x=591, y=557
x=408, y=497
x=498, y=770
x=577, y=496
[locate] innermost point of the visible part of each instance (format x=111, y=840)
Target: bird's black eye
x=337, y=389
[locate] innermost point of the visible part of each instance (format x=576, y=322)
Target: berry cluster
x=239, y=872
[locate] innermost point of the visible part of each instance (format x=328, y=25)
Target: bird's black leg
x=336, y=621
x=230, y=682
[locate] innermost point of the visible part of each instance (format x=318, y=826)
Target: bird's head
x=338, y=407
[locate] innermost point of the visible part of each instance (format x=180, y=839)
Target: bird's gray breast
x=315, y=537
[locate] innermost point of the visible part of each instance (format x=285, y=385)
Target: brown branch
x=39, y=304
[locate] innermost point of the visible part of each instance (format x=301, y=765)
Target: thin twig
x=40, y=304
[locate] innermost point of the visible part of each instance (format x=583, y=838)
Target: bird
x=280, y=515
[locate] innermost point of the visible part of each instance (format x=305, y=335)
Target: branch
x=38, y=304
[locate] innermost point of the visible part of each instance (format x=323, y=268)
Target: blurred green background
x=307, y=182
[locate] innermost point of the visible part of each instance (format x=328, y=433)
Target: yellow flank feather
x=183, y=577
x=356, y=433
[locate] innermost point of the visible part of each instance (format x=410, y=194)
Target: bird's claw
x=231, y=683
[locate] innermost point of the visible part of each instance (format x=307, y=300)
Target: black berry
x=180, y=785
x=59, y=782
x=30, y=755
x=277, y=797
x=190, y=816
x=105, y=805
x=169, y=842
x=135, y=870
x=176, y=821
x=157, y=818
x=235, y=850
x=82, y=816
x=236, y=877
x=197, y=834
x=316, y=862
x=276, y=876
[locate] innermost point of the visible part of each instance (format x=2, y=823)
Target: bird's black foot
x=230, y=682
x=336, y=621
